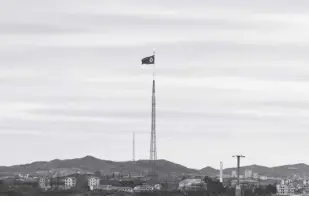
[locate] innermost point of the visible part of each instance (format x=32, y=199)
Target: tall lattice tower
x=153, y=142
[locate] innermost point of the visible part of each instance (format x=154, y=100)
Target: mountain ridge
x=164, y=167
x=276, y=171
x=93, y=164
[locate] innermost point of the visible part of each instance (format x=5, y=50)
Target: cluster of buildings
x=93, y=183
x=249, y=174
x=46, y=183
x=19, y=179
x=295, y=185
x=90, y=182
x=185, y=183
x=285, y=188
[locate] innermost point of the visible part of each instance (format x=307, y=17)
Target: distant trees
x=97, y=173
x=229, y=191
x=251, y=191
x=81, y=184
x=248, y=192
x=270, y=189
x=214, y=187
x=20, y=190
x=258, y=191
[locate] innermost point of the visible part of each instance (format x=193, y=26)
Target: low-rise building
x=248, y=173
x=234, y=174
x=126, y=189
x=106, y=187
x=93, y=182
x=286, y=181
x=285, y=190
x=243, y=182
x=255, y=176
x=69, y=182
x=143, y=188
x=44, y=183
x=263, y=177
x=305, y=187
x=158, y=187
x=192, y=185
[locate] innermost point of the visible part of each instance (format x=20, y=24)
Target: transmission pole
x=238, y=190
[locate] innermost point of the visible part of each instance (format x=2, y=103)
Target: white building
x=44, y=183
x=255, y=175
x=126, y=189
x=305, y=187
x=106, y=187
x=263, y=177
x=286, y=181
x=192, y=185
x=143, y=188
x=285, y=190
x=26, y=176
x=248, y=173
x=93, y=182
x=157, y=187
x=234, y=174
x=69, y=182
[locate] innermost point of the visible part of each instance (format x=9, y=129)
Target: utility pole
x=238, y=189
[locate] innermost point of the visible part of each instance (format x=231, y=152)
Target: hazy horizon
x=217, y=168
x=232, y=78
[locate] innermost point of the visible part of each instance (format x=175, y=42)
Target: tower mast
x=153, y=143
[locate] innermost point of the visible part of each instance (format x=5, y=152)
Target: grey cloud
x=228, y=73
x=34, y=28
x=111, y=23
x=286, y=62
x=261, y=114
x=58, y=21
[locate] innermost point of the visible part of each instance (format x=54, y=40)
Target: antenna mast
x=153, y=143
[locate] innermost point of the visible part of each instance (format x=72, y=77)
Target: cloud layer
x=232, y=77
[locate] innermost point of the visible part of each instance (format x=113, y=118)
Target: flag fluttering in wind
x=148, y=60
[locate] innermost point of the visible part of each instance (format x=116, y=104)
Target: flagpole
x=154, y=64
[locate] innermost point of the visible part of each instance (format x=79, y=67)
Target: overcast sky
x=232, y=78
